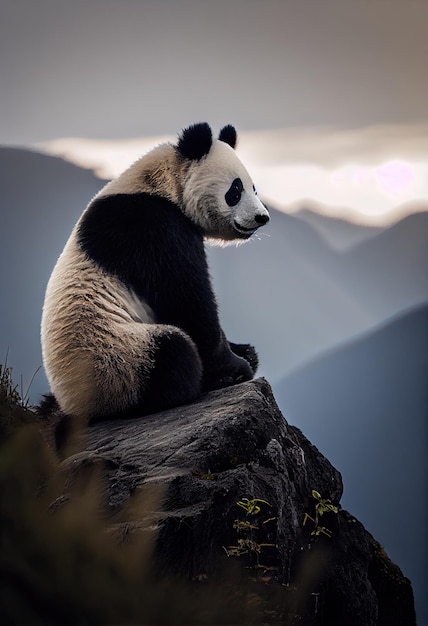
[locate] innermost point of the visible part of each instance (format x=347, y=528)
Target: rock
x=242, y=487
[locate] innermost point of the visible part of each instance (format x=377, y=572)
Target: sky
x=302, y=80
x=118, y=69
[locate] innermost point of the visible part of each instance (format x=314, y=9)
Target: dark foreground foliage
x=61, y=561
x=64, y=561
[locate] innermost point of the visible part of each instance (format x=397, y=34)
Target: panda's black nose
x=261, y=218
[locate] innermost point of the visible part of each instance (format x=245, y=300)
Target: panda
x=130, y=322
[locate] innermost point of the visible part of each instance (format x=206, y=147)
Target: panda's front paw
x=232, y=372
x=228, y=381
x=247, y=352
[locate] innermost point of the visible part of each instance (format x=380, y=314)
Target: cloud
x=369, y=175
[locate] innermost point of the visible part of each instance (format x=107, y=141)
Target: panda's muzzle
x=242, y=229
x=260, y=219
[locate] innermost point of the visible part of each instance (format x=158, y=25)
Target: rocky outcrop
x=245, y=494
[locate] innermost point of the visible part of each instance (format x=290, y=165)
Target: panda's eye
x=234, y=193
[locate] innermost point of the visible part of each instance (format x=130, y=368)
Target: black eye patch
x=233, y=196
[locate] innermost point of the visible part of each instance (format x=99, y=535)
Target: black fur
x=195, y=141
x=63, y=434
x=63, y=425
x=154, y=249
x=183, y=382
x=229, y=135
x=233, y=195
x=48, y=406
x=247, y=352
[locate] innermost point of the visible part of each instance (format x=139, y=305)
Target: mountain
x=339, y=234
x=42, y=197
x=280, y=292
x=391, y=268
x=295, y=297
x=365, y=406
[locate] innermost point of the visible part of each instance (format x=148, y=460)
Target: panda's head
x=218, y=193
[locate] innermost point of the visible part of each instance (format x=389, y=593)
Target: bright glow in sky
x=374, y=192
x=290, y=169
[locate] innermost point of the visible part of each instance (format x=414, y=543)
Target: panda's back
x=81, y=294
x=89, y=317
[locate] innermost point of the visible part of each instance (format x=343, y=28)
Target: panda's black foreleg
x=247, y=352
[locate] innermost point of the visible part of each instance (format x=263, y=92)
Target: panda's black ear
x=228, y=135
x=195, y=141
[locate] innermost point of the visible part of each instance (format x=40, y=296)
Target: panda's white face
x=220, y=196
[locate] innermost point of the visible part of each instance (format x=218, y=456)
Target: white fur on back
x=159, y=172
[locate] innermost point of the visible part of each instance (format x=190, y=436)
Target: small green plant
x=251, y=506
x=256, y=538
x=323, y=506
x=241, y=525
x=202, y=475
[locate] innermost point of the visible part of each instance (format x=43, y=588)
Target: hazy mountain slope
x=279, y=283
x=366, y=407
x=41, y=199
x=392, y=267
x=295, y=297
x=338, y=233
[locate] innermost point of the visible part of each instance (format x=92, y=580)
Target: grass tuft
x=14, y=408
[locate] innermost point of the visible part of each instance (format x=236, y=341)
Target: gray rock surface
x=236, y=482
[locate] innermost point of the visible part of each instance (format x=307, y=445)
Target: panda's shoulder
x=120, y=227
x=131, y=215
x=124, y=208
